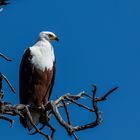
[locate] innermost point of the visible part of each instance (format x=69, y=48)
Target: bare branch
x=52, y=109
x=5, y=57
x=68, y=117
x=2, y=76
x=80, y=105
x=104, y=97
x=67, y=113
x=7, y=119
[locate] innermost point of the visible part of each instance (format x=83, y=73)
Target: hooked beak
x=56, y=38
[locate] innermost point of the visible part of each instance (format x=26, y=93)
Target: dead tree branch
x=2, y=76
x=53, y=110
x=5, y=57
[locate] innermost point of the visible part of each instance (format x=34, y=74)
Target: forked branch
x=53, y=110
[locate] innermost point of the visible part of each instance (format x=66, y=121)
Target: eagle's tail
x=35, y=116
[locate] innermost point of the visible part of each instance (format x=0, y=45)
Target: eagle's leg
x=32, y=122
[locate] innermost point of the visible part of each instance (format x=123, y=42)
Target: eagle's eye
x=50, y=35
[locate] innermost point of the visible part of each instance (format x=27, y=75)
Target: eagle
x=36, y=77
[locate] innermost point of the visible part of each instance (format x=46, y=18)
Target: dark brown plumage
x=35, y=85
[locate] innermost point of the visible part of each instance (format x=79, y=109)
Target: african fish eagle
x=36, y=77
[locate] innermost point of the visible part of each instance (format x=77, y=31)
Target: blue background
x=99, y=43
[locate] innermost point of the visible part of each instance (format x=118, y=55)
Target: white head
x=49, y=36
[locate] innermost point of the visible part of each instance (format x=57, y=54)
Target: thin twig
x=53, y=109
x=8, y=82
x=7, y=119
x=104, y=97
x=52, y=129
x=35, y=132
x=80, y=105
x=5, y=57
x=110, y=92
x=68, y=118
x=67, y=114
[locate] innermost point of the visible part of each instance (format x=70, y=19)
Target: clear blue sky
x=99, y=43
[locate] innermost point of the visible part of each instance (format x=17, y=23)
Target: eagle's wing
x=25, y=76
x=25, y=72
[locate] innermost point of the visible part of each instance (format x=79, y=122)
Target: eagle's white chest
x=42, y=55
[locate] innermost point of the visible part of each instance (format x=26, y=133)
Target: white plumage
x=42, y=55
